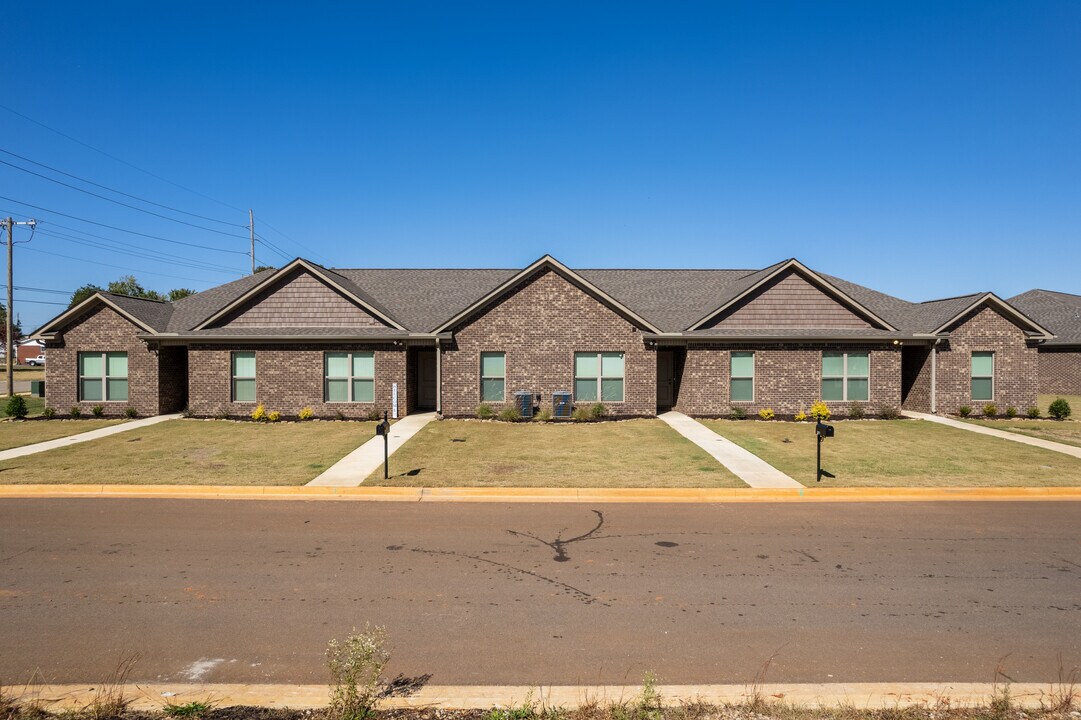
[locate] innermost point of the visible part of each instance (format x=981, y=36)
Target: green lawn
x=16, y=433
x=1065, y=431
x=197, y=452
x=1046, y=400
x=35, y=405
x=628, y=453
x=901, y=453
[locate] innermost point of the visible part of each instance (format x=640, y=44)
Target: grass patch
x=1067, y=432
x=629, y=453
x=29, y=373
x=15, y=433
x=196, y=452
x=35, y=405
x=1044, y=401
x=901, y=453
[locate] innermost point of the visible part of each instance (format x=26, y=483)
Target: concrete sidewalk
x=352, y=469
x=747, y=466
x=84, y=437
x=1005, y=435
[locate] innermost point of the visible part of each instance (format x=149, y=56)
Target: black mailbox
x=824, y=430
x=382, y=428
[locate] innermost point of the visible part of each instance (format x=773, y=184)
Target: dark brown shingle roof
x=1059, y=312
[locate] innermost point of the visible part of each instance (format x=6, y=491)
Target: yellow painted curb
x=154, y=696
x=544, y=495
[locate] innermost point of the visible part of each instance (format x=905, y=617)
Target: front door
x=426, y=379
x=666, y=379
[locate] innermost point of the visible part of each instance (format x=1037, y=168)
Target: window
x=598, y=376
x=983, y=376
x=845, y=376
x=103, y=376
x=243, y=377
x=741, y=388
x=350, y=377
x=493, y=376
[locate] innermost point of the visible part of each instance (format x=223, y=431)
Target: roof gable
x=320, y=298
x=150, y=315
x=550, y=263
x=762, y=280
x=1004, y=308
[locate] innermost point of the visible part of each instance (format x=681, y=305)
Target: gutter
x=688, y=338
x=186, y=339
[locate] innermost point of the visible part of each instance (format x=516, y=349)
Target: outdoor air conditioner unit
x=562, y=404
x=523, y=400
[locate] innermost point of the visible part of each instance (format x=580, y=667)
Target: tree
x=128, y=285
x=83, y=293
x=16, y=328
x=261, y=268
x=179, y=293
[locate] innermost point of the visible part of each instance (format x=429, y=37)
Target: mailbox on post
x=822, y=430
x=383, y=429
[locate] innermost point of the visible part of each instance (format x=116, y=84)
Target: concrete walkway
x=1005, y=435
x=84, y=437
x=745, y=465
x=352, y=469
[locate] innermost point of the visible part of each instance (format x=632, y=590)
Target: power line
x=119, y=267
x=117, y=202
x=43, y=290
x=119, y=229
x=143, y=256
x=273, y=248
x=119, y=160
x=149, y=252
x=121, y=192
x=39, y=302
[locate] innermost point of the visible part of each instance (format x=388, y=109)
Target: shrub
x=856, y=411
x=581, y=414
x=766, y=414
x=273, y=416
x=738, y=413
x=98, y=410
x=510, y=413
x=306, y=413
x=49, y=412
x=1011, y=412
x=356, y=667
x=259, y=413
x=544, y=415
x=186, y=412
x=888, y=412
x=1060, y=409
x=375, y=414
x=339, y=415
x=193, y=709
x=75, y=411
x=131, y=412
x=16, y=407
x=964, y=411
x=819, y=411
x=597, y=410
x=990, y=410
x=800, y=416
x=1033, y=413
x=485, y=412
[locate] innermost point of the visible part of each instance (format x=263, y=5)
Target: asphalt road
x=250, y=591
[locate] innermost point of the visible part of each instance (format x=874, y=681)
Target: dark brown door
x=666, y=379
x=426, y=387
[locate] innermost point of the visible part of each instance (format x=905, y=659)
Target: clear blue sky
x=922, y=148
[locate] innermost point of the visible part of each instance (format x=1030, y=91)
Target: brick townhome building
x=349, y=342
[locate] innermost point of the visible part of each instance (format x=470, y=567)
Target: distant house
x=1060, y=357
x=27, y=349
x=347, y=342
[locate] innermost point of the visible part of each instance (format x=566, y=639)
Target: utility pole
x=251, y=227
x=9, y=337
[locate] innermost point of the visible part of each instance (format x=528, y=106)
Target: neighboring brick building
x=1059, y=357
x=353, y=343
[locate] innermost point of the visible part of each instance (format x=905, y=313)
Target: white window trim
x=994, y=366
x=845, y=377
x=104, y=377
x=600, y=374
x=233, y=378
x=348, y=378
x=484, y=377
x=753, y=376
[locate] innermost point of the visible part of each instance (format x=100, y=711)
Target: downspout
x=438, y=378
x=934, y=377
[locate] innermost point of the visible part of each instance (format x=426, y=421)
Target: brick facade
x=540, y=323
x=788, y=378
x=1060, y=371
x=102, y=329
x=289, y=378
x=1016, y=363
x=916, y=378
